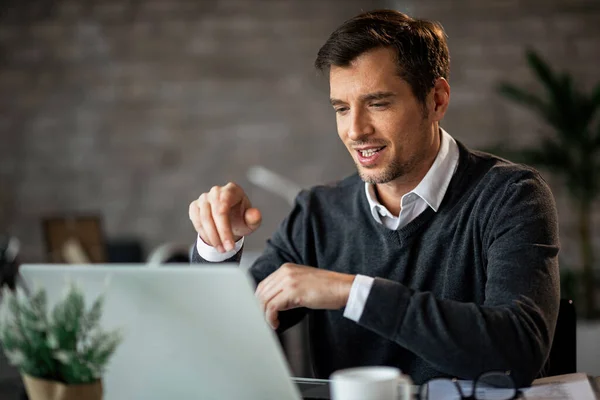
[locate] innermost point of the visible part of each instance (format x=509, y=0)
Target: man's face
x=380, y=121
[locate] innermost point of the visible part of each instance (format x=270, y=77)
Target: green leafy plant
x=571, y=151
x=66, y=345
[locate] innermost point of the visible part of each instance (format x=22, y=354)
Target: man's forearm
x=461, y=339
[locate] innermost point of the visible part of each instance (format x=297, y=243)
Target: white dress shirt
x=428, y=193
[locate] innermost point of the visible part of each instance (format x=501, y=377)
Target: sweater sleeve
x=513, y=328
x=286, y=246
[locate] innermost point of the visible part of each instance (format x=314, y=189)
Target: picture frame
x=74, y=239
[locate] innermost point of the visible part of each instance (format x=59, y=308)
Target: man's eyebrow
x=376, y=96
x=365, y=97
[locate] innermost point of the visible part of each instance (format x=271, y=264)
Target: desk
x=10, y=388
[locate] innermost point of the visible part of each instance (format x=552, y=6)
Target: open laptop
x=189, y=332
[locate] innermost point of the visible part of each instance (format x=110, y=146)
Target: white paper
x=563, y=387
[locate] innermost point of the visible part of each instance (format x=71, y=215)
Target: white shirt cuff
x=361, y=287
x=211, y=254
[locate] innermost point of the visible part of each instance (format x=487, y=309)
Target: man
x=435, y=259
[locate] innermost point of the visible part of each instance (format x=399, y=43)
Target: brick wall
x=133, y=108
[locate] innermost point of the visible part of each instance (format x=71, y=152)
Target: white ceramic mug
x=370, y=383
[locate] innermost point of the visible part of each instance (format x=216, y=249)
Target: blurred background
x=127, y=110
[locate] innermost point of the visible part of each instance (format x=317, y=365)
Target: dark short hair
x=420, y=45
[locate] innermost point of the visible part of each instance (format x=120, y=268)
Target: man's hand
x=223, y=215
x=294, y=285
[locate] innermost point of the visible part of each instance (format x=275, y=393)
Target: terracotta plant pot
x=41, y=389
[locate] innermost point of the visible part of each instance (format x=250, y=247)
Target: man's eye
x=341, y=110
x=380, y=105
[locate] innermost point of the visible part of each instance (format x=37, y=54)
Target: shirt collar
x=434, y=184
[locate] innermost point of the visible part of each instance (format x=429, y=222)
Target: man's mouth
x=370, y=152
x=368, y=157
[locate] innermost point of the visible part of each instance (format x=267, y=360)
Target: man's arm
x=514, y=327
x=266, y=262
x=286, y=246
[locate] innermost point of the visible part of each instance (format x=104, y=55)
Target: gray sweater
x=471, y=288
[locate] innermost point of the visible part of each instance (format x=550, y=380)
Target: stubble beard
x=392, y=171
x=395, y=169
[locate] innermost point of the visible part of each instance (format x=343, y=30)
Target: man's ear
x=440, y=99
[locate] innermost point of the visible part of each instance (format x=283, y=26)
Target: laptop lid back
x=189, y=332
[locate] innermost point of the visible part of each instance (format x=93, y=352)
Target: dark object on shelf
x=124, y=250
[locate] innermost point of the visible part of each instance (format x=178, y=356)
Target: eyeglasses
x=495, y=385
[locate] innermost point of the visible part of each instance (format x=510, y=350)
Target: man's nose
x=359, y=126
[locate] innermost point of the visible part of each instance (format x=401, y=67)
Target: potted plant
x=62, y=354
x=571, y=151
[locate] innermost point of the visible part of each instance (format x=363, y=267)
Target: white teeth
x=369, y=152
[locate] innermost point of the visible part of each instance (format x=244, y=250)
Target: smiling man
x=434, y=258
